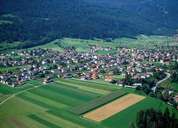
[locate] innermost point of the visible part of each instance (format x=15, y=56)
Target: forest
x=155, y=119
x=38, y=21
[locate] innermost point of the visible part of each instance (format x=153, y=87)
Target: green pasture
x=9, y=69
x=125, y=117
x=110, y=52
x=49, y=106
x=37, y=105
x=96, y=103
x=51, y=45
x=4, y=89
x=83, y=45
x=170, y=85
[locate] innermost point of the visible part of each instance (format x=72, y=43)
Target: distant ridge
x=44, y=20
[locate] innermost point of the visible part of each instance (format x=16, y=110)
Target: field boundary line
x=18, y=93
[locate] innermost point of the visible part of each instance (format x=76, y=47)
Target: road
x=15, y=94
x=168, y=75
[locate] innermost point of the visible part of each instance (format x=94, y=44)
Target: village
x=138, y=68
x=48, y=64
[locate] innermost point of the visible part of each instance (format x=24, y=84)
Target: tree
x=155, y=119
x=141, y=121
x=132, y=125
x=174, y=76
x=128, y=80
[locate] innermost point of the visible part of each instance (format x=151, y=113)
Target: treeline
x=155, y=119
x=38, y=19
x=174, y=68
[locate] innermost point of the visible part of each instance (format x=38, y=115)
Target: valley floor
x=50, y=105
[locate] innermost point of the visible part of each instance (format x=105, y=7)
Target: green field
x=49, y=106
x=171, y=85
x=79, y=110
x=52, y=45
x=123, y=118
x=175, y=86
x=111, y=52
x=82, y=45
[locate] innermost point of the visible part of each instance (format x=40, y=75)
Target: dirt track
x=114, y=107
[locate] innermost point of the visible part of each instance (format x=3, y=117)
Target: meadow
x=170, y=84
x=49, y=106
x=83, y=45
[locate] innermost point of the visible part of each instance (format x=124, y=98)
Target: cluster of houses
x=94, y=48
x=176, y=100
x=48, y=64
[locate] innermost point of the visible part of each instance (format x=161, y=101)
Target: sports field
x=114, y=107
x=50, y=106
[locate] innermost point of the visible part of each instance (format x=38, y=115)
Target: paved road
x=15, y=94
x=168, y=75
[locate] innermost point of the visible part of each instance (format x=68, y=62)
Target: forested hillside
x=39, y=21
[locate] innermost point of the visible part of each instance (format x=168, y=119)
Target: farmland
x=82, y=45
x=169, y=84
x=122, y=119
x=50, y=105
x=113, y=107
x=97, y=102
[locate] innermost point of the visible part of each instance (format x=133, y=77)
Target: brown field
x=114, y=107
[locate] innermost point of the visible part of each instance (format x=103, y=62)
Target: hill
x=40, y=21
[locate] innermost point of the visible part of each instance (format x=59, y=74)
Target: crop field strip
x=81, y=109
x=113, y=107
x=86, y=86
x=76, y=119
x=17, y=123
x=42, y=121
x=52, y=107
x=29, y=123
x=38, y=99
x=39, y=103
x=56, y=96
x=32, y=123
x=93, y=84
x=121, y=119
x=49, y=94
x=56, y=120
x=17, y=108
x=43, y=115
x=73, y=92
x=3, y=97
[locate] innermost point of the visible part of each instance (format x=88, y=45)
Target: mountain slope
x=42, y=20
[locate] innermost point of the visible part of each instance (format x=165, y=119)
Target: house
x=47, y=80
x=176, y=100
x=137, y=84
x=108, y=77
x=94, y=74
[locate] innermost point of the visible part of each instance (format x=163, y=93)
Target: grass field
x=169, y=84
x=122, y=119
x=52, y=45
x=3, y=97
x=97, y=102
x=8, y=90
x=111, y=52
x=49, y=106
x=82, y=45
